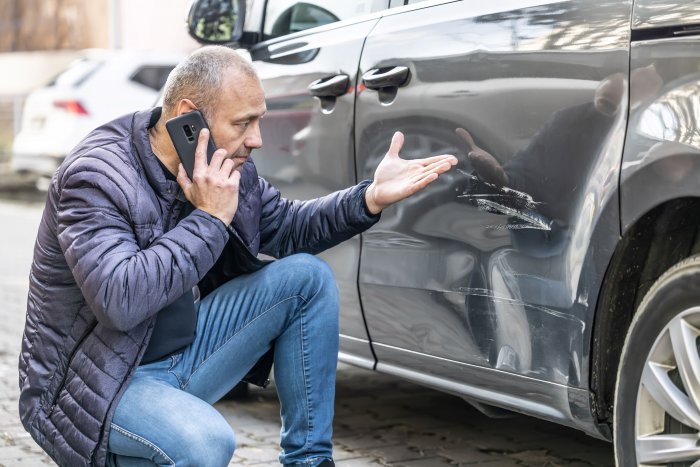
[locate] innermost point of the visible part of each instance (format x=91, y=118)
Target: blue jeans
x=165, y=416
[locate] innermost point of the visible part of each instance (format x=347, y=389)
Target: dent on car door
x=308, y=146
x=491, y=265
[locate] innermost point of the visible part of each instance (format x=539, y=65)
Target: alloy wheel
x=667, y=415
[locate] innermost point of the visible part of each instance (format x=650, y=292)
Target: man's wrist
x=216, y=215
x=372, y=207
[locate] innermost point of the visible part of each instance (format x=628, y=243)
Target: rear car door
x=308, y=146
x=488, y=268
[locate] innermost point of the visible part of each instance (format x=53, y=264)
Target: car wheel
x=657, y=397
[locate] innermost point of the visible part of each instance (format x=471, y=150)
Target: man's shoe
x=327, y=463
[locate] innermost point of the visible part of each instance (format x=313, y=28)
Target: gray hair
x=199, y=78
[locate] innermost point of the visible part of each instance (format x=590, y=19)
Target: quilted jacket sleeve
x=122, y=283
x=311, y=226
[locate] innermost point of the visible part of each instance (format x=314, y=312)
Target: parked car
x=96, y=88
x=555, y=272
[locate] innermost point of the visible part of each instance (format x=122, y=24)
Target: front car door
x=490, y=268
x=308, y=148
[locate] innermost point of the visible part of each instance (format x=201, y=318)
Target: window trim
x=347, y=22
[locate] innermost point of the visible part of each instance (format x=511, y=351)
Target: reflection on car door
x=308, y=142
x=485, y=268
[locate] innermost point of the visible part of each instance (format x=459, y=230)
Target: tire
x=656, y=422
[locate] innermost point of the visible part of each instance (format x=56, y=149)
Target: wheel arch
x=659, y=238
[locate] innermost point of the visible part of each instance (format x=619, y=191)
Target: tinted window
x=284, y=17
x=153, y=77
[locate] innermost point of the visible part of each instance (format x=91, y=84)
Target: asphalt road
x=380, y=420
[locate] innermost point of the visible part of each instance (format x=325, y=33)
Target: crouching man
x=121, y=359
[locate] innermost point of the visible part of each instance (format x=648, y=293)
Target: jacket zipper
x=70, y=360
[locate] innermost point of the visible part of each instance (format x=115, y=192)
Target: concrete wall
x=151, y=24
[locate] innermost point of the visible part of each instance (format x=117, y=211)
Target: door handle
x=378, y=78
x=330, y=86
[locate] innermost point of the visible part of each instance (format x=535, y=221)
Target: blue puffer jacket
x=109, y=254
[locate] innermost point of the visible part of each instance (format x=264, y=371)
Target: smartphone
x=184, y=132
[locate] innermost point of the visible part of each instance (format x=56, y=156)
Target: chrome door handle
x=330, y=86
x=378, y=78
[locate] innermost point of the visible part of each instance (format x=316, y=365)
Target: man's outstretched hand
x=396, y=178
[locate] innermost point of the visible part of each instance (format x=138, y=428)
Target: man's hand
x=214, y=186
x=396, y=178
x=486, y=166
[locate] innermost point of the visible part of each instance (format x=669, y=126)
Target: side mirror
x=216, y=21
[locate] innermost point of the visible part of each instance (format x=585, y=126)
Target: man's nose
x=254, y=139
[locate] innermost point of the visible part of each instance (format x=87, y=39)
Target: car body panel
x=478, y=289
x=662, y=150
x=549, y=401
x=662, y=13
x=466, y=275
x=308, y=150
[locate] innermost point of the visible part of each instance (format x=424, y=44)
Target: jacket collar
x=141, y=145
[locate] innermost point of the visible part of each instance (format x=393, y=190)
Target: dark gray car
x=554, y=272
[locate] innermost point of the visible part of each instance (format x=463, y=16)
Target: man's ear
x=184, y=106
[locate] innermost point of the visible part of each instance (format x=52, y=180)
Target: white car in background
x=94, y=89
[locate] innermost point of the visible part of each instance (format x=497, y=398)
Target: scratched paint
x=517, y=205
x=499, y=298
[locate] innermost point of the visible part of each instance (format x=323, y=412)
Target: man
x=120, y=361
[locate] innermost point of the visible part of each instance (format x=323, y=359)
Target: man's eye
x=242, y=124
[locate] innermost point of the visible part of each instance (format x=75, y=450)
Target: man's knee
x=210, y=446
x=311, y=271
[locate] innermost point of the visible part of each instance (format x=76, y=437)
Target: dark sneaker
x=327, y=463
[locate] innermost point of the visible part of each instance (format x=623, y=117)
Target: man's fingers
x=227, y=166
x=423, y=181
x=440, y=160
x=182, y=179
x=217, y=159
x=200, y=152
x=236, y=175
x=438, y=169
x=396, y=144
x=442, y=157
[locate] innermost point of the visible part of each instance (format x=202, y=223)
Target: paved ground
x=380, y=420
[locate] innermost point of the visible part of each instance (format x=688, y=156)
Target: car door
x=489, y=267
x=308, y=145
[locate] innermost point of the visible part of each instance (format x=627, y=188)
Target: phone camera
x=189, y=132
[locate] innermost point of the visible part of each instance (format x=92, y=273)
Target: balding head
x=199, y=78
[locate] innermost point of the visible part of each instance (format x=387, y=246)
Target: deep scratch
x=507, y=202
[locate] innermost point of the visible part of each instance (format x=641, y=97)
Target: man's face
x=235, y=119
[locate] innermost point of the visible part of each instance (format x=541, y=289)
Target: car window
x=284, y=17
x=395, y=3
x=77, y=73
x=153, y=76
